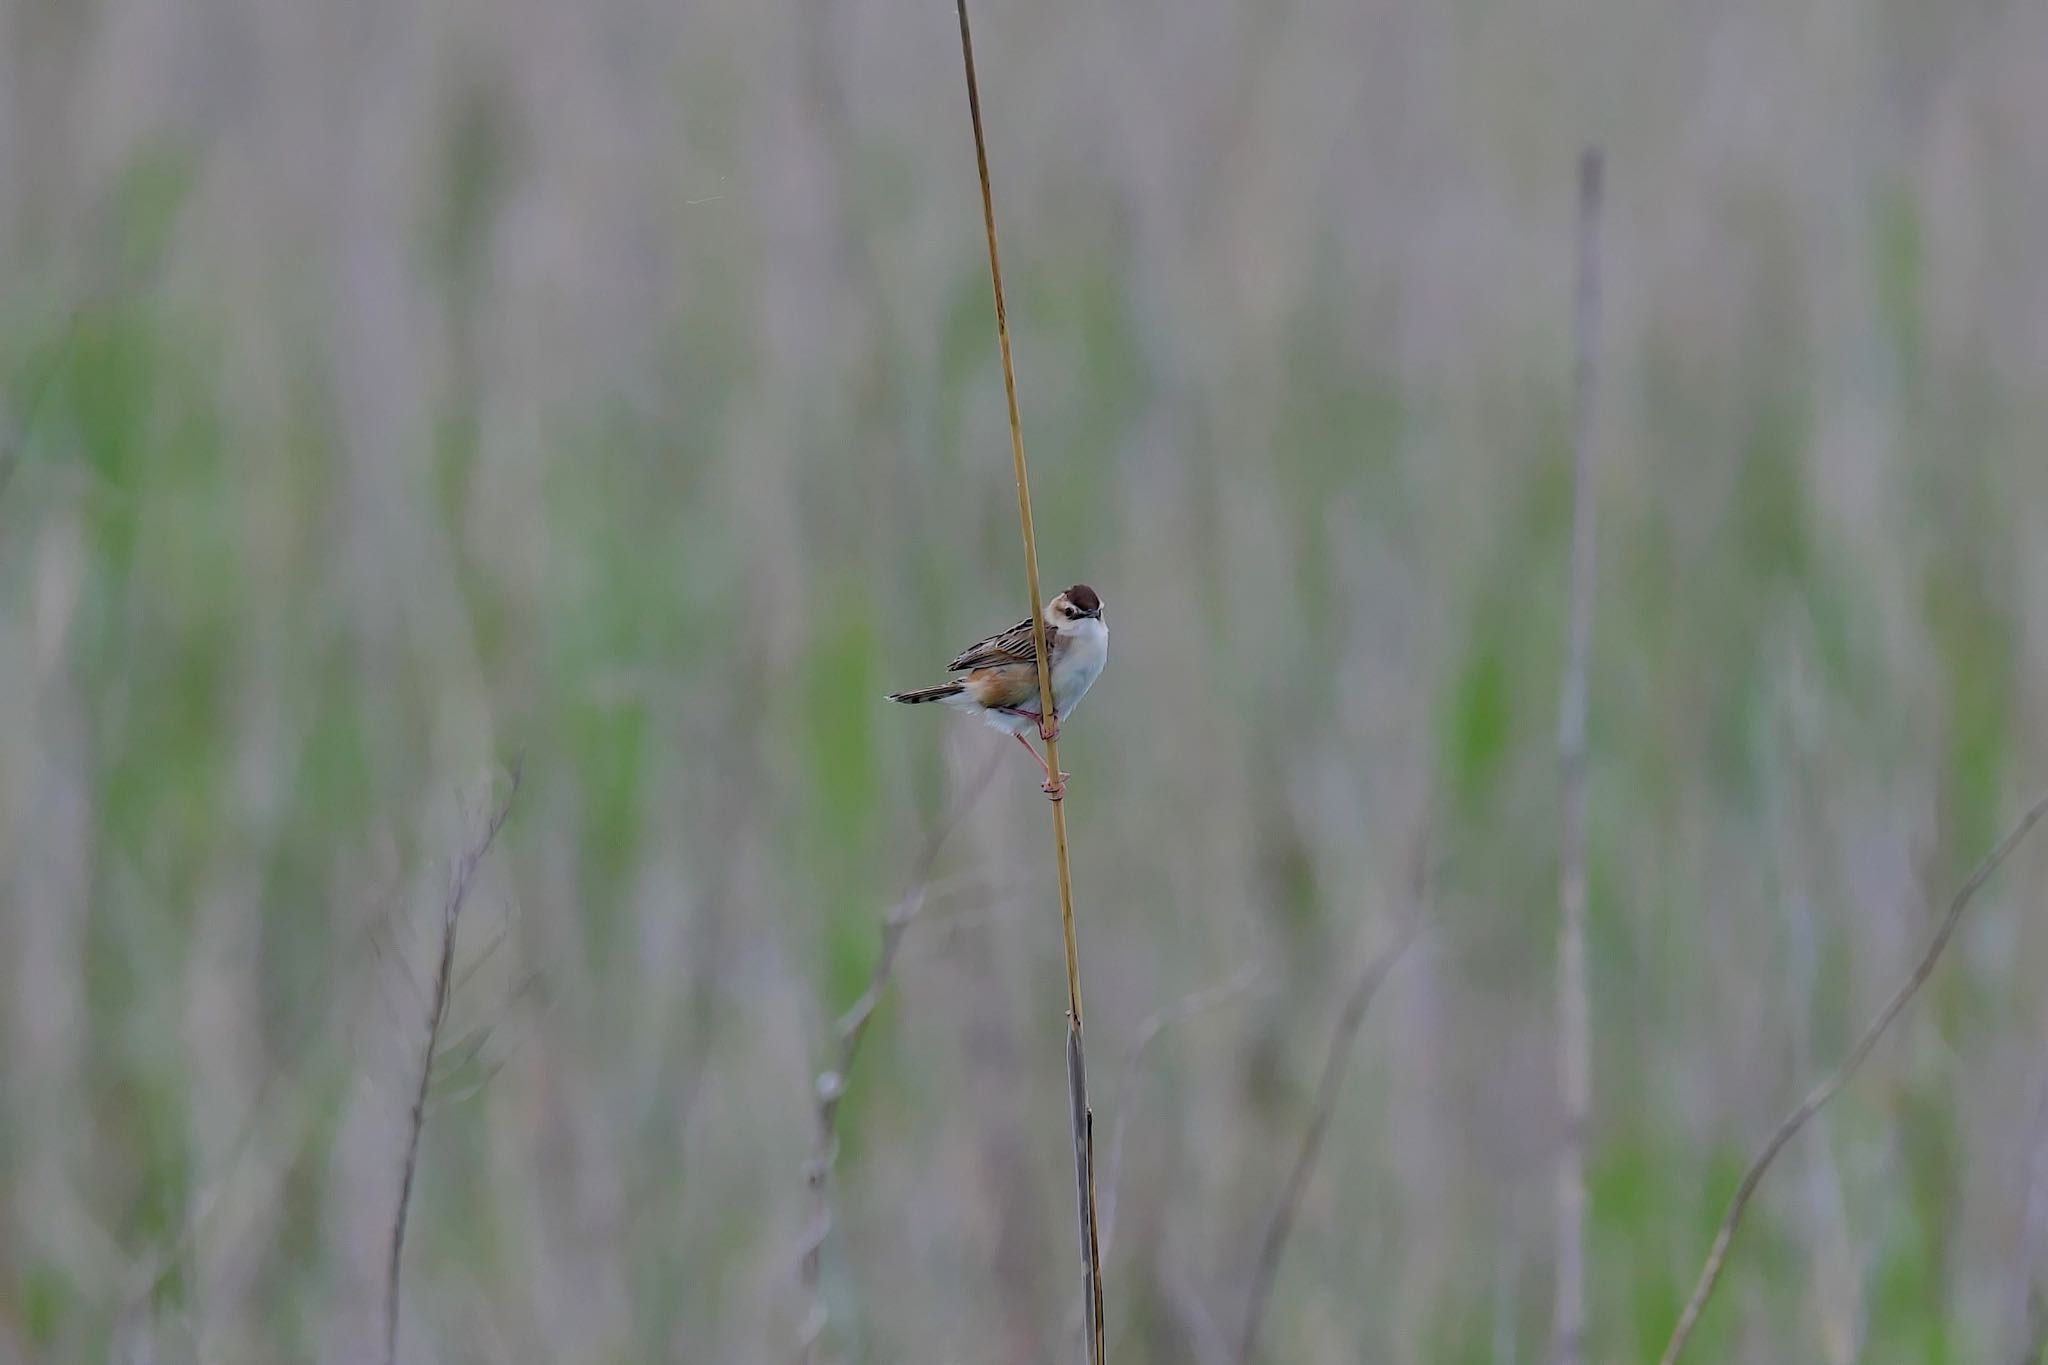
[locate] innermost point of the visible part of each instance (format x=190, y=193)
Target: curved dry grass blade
x=1717, y=1256
x=1281, y=1224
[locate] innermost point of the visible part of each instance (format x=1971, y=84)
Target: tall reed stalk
x=1077, y=1064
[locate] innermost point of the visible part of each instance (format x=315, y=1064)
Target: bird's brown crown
x=1084, y=597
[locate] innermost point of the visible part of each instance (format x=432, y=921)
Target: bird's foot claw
x=1056, y=790
x=1049, y=731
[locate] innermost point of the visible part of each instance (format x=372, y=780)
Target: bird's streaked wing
x=1012, y=646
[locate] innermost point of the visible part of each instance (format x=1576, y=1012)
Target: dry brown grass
x=459, y=878
x=1077, y=1061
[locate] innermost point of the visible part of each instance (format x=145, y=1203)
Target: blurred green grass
x=262, y=618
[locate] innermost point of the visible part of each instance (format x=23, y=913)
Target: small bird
x=1001, y=682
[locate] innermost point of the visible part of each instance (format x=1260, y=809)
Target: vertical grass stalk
x=1077, y=1064
x=1574, y=1009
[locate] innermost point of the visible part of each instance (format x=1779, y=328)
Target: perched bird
x=1001, y=673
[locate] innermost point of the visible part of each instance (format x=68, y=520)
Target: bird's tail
x=922, y=694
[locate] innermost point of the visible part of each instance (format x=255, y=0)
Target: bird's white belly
x=1078, y=663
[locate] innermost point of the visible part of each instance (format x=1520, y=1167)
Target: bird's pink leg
x=1053, y=788
x=1036, y=756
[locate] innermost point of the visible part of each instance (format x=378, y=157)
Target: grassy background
x=402, y=386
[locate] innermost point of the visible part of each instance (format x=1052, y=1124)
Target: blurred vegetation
x=397, y=392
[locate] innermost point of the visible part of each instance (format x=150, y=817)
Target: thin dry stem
x=155, y=1266
x=1280, y=1225
x=1197, y=1326
x=1717, y=1257
x=15, y=431
x=1188, y=1006
x=1574, y=1009
x=437, y=1016
x=851, y=1029
x=2037, y=1330
x=1077, y=1067
x=11, y=443
x=2030, y=1309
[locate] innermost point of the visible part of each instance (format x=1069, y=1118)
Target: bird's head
x=1078, y=603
